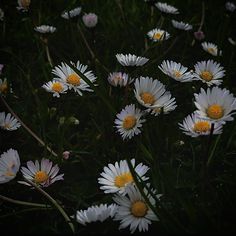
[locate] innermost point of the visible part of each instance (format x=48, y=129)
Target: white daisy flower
x=153, y=95
x=119, y=78
x=164, y=7
x=95, y=213
x=116, y=177
x=230, y=6
x=195, y=126
x=131, y=60
x=23, y=5
x=129, y=122
x=176, y=71
x=55, y=87
x=158, y=35
x=45, y=29
x=43, y=173
x=1, y=14
x=3, y=86
x=9, y=165
x=8, y=122
x=181, y=25
x=71, y=79
x=72, y=13
x=209, y=72
x=211, y=48
x=133, y=211
x=215, y=104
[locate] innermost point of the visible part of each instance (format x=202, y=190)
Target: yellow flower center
x=73, y=79
x=3, y=87
x=215, y=111
x=202, y=126
x=129, y=122
x=41, y=176
x=25, y=3
x=139, y=209
x=177, y=74
x=157, y=36
x=206, y=75
x=211, y=50
x=9, y=173
x=57, y=87
x=147, y=98
x=123, y=179
x=7, y=126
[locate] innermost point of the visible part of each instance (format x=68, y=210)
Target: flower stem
x=48, y=55
x=54, y=202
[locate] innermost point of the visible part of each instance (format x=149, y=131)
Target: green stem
x=54, y=202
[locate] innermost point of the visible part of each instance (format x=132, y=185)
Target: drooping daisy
x=43, y=173
x=131, y=60
x=115, y=177
x=209, y=72
x=215, y=104
x=129, y=122
x=95, y=213
x=195, y=126
x=211, y=48
x=1, y=14
x=3, y=86
x=153, y=95
x=23, y=5
x=71, y=79
x=45, y=29
x=164, y=7
x=9, y=165
x=133, y=211
x=8, y=122
x=158, y=35
x=181, y=25
x=55, y=87
x=72, y=13
x=119, y=79
x=231, y=41
x=230, y=6
x=176, y=71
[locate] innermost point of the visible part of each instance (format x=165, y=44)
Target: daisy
x=153, y=95
x=158, y=35
x=181, y=25
x=230, y=6
x=195, y=126
x=9, y=165
x=115, y=177
x=119, y=78
x=3, y=86
x=72, y=13
x=211, y=48
x=43, y=174
x=1, y=14
x=209, y=72
x=65, y=74
x=90, y=20
x=23, y=5
x=163, y=7
x=95, y=213
x=45, y=29
x=8, y=122
x=133, y=211
x=131, y=60
x=129, y=122
x=215, y=104
x=55, y=87
x=176, y=71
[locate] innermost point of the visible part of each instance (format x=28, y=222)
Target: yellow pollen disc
x=177, y=74
x=157, y=36
x=25, y=3
x=211, y=50
x=3, y=88
x=40, y=176
x=129, y=122
x=147, y=98
x=206, y=75
x=7, y=126
x=57, y=87
x=202, y=126
x=9, y=173
x=215, y=111
x=123, y=179
x=139, y=209
x=73, y=79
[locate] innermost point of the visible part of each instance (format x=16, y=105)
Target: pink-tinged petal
x=26, y=172
x=48, y=167
x=44, y=163
x=31, y=167
x=54, y=171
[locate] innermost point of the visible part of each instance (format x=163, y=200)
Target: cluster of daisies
x=129, y=206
